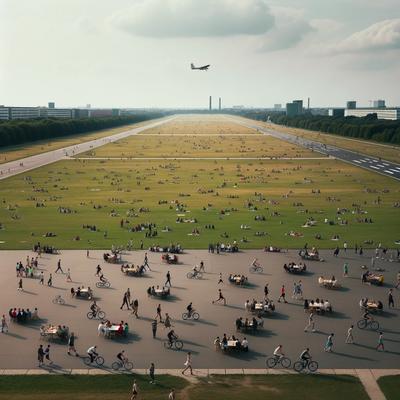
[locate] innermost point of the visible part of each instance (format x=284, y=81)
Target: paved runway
x=286, y=326
x=370, y=163
x=26, y=164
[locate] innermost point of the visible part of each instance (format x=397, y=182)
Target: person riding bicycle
x=367, y=316
x=92, y=352
x=305, y=356
x=122, y=357
x=102, y=278
x=189, y=309
x=94, y=307
x=255, y=263
x=278, y=352
x=195, y=271
x=172, y=336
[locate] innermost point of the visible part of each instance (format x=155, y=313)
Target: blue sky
x=137, y=53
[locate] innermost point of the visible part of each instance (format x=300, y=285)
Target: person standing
x=135, y=391
x=69, y=275
x=283, y=294
x=188, y=364
x=171, y=395
x=390, y=298
x=345, y=247
x=154, y=328
x=350, y=337
x=329, y=343
x=345, y=270
x=4, y=326
x=59, y=267
x=220, y=278
x=336, y=251
x=50, y=280
x=40, y=353
x=168, y=281
x=47, y=354
x=20, y=287
x=380, y=342
x=220, y=298
x=125, y=301
x=141, y=245
x=151, y=373
x=311, y=323
x=71, y=345
x=356, y=248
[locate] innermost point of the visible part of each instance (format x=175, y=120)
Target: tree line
x=369, y=127
x=17, y=132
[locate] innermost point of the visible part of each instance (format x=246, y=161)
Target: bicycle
x=273, y=361
x=193, y=315
x=126, y=365
x=176, y=343
x=96, y=315
x=103, y=284
x=194, y=275
x=301, y=365
x=99, y=360
x=256, y=269
x=365, y=323
x=58, y=300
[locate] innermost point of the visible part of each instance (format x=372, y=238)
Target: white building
x=24, y=112
x=56, y=113
x=4, y=113
x=382, y=113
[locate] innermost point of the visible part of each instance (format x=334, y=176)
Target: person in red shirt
x=283, y=294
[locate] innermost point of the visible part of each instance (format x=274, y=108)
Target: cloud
x=193, y=18
x=383, y=35
x=290, y=29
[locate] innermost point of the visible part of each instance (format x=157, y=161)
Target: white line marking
x=389, y=172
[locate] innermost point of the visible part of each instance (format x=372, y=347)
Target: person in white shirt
x=92, y=352
x=278, y=352
x=349, y=337
x=245, y=344
x=171, y=395
x=134, y=390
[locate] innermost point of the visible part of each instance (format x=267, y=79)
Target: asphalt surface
x=28, y=163
x=370, y=163
x=18, y=347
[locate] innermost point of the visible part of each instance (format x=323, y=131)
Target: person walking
x=329, y=343
x=171, y=395
x=311, y=323
x=47, y=354
x=220, y=298
x=128, y=295
x=336, y=251
x=41, y=278
x=135, y=390
x=154, y=328
x=40, y=354
x=188, y=364
x=345, y=270
x=167, y=321
x=380, y=346
x=345, y=247
x=20, y=285
x=151, y=373
x=69, y=275
x=350, y=337
x=4, y=326
x=390, y=298
x=220, y=278
x=98, y=270
x=87, y=254
x=266, y=291
x=135, y=308
x=125, y=301
x=50, y=280
x=71, y=345
x=168, y=281
x=283, y=294
x=158, y=315
x=146, y=262
x=59, y=267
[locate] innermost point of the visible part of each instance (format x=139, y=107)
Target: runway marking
x=357, y=161
x=373, y=166
x=389, y=172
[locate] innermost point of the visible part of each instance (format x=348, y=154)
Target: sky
x=137, y=53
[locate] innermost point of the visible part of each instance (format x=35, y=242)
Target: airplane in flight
x=203, y=68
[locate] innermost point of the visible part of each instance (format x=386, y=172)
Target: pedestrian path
x=368, y=377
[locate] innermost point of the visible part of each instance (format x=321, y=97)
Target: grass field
x=385, y=151
x=29, y=149
x=117, y=387
x=224, y=193
x=390, y=386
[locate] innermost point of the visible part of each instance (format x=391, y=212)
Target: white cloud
x=382, y=35
x=193, y=18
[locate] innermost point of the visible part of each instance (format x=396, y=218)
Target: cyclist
x=255, y=263
x=102, y=278
x=92, y=352
x=94, y=308
x=278, y=353
x=305, y=356
x=195, y=271
x=189, y=309
x=172, y=336
x=367, y=316
x=122, y=357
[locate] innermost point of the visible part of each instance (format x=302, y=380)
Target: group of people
x=22, y=315
x=317, y=305
x=104, y=328
x=248, y=323
x=237, y=344
x=222, y=247
x=237, y=279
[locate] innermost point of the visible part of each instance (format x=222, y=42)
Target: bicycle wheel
x=55, y=300
x=189, y=275
x=128, y=366
x=252, y=270
x=312, y=366
x=101, y=314
x=374, y=325
x=178, y=344
x=285, y=362
x=362, y=323
x=184, y=316
x=199, y=275
x=107, y=284
x=61, y=301
x=116, y=365
x=90, y=315
x=167, y=344
x=196, y=316
x=259, y=270
x=99, y=284
x=298, y=366
x=271, y=362
x=87, y=361
x=99, y=360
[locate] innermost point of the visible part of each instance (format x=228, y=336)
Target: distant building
x=80, y=113
x=24, y=112
x=336, y=112
x=51, y=104
x=381, y=113
x=318, y=111
x=4, y=112
x=292, y=109
x=379, y=103
x=277, y=107
x=351, y=105
x=55, y=112
x=299, y=104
